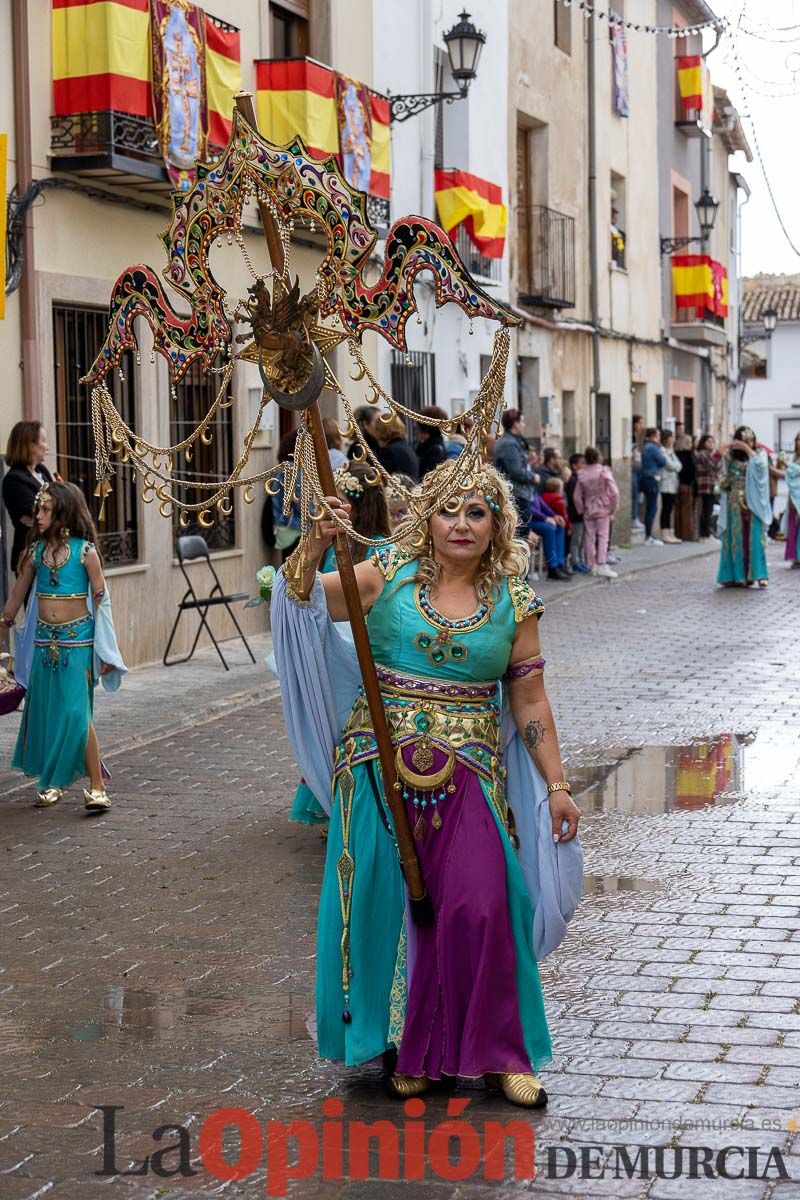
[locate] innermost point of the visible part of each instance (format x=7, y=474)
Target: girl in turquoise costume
x=67, y=642
x=453, y=625
x=744, y=512
x=360, y=487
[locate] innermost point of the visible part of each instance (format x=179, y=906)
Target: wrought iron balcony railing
x=546, y=242
x=106, y=143
x=475, y=262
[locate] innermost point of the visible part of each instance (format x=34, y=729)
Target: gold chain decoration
x=299, y=476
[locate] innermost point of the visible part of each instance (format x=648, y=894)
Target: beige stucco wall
x=547, y=87
x=81, y=246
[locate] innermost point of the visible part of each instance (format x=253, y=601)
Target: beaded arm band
x=528, y=666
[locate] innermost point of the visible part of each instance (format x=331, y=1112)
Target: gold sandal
x=518, y=1088
x=48, y=797
x=96, y=801
x=406, y=1086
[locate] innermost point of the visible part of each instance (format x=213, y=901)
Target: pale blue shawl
x=756, y=491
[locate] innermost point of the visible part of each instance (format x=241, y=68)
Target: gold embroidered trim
x=449, y=625
x=345, y=867
x=389, y=560
x=523, y=598
x=398, y=994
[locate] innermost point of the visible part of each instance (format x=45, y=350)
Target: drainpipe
x=31, y=390
x=593, y=281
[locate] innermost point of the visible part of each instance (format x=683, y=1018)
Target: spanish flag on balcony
x=101, y=57
x=694, y=85
x=465, y=199
x=701, y=283
x=299, y=96
x=223, y=78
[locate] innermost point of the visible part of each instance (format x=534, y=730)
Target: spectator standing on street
x=577, y=556
x=637, y=437
x=396, y=454
x=458, y=439
x=430, y=446
x=597, y=497
x=653, y=460
x=286, y=526
x=707, y=469
x=668, y=486
x=685, y=528
x=511, y=459
x=334, y=442
x=26, y=474
x=367, y=419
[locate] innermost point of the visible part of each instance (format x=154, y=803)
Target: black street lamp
x=464, y=45
x=706, y=208
x=769, y=319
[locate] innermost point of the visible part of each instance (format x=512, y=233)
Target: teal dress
x=462, y=997
x=743, y=541
x=59, y=701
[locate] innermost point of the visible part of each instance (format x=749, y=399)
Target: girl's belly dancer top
x=67, y=581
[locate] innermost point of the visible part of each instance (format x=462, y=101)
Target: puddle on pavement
x=609, y=885
x=657, y=779
x=148, y=1016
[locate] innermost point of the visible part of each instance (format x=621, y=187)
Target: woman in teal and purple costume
x=66, y=644
x=744, y=512
x=360, y=487
x=453, y=626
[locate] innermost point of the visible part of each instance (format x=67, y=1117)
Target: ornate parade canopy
x=288, y=334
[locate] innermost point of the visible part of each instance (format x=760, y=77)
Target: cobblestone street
x=162, y=958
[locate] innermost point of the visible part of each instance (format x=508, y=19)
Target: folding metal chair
x=189, y=549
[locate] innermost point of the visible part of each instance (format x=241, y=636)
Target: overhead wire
x=734, y=58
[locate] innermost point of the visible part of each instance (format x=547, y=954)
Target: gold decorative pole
x=421, y=908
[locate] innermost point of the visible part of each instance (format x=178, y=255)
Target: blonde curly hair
x=506, y=554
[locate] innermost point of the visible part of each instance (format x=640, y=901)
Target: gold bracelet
x=9, y=622
x=561, y=786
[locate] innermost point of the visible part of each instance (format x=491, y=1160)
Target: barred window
x=194, y=396
x=78, y=334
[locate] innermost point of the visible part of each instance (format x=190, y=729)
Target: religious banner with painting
x=619, y=55
x=354, y=118
x=179, y=86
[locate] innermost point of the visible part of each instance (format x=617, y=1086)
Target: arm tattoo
x=533, y=735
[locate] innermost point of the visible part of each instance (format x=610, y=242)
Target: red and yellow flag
x=298, y=96
x=696, y=91
x=699, y=282
x=223, y=78
x=101, y=57
x=465, y=199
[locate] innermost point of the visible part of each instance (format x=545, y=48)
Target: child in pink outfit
x=597, y=497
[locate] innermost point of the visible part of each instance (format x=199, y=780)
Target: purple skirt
x=462, y=1012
